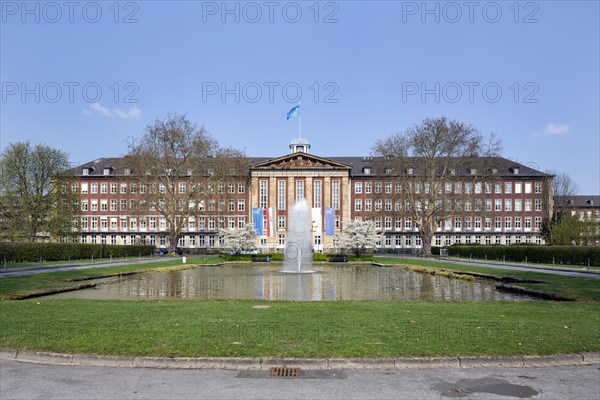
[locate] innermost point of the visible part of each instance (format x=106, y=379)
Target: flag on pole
x=293, y=112
x=257, y=214
x=329, y=221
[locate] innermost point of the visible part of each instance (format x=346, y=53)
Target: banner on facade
x=270, y=220
x=257, y=214
x=329, y=221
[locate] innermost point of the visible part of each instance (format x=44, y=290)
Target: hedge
x=569, y=255
x=15, y=252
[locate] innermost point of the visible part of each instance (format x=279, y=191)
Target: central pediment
x=300, y=161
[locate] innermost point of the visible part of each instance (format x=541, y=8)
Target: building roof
x=579, y=201
x=360, y=166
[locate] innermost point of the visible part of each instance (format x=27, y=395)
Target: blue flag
x=329, y=221
x=257, y=214
x=293, y=112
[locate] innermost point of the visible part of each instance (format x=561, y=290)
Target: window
x=517, y=222
x=508, y=187
x=230, y=188
x=263, y=194
x=527, y=205
x=538, y=223
x=84, y=205
x=507, y=223
x=358, y=187
x=113, y=205
x=368, y=187
x=299, y=190
x=457, y=223
x=335, y=196
x=388, y=188
x=478, y=187
x=468, y=223
x=281, y=193
x=468, y=205
x=378, y=205
x=497, y=188
x=498, y=224
x=527, y=187
x=241, y=188
x=317, y=194
x=94, y=188
x=221, y=188
x=447, y=188
x=538, y=205
x=368, y=205
x=399, y=187
x=538, y=187
x=488, y=205
x=388, y=204
x=241, y=205
x=518, y=187
x=477, y=222
x=113, y=188
x=468, y=188
x=488, y=188
x=508, y=205
x=94, y=205
x=457, y=187
x=518, y=205
x=181, y=187
x=281, y=222
x=84, y=188
x=498, y=205
x=527, y=222
x=231, y=205
x=488, y=224
x=407, y=223
x=357, y=205
x=106, y=171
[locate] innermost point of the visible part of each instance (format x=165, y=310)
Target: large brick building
x=505, y=205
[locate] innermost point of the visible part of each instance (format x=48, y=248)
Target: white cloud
x=552, y=129
x=97, y=108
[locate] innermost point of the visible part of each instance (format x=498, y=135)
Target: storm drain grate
x=285, y=371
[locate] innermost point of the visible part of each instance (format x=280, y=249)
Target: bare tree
x=563, y=189
x=177, y=166
x=35, y=196
x=427, y=160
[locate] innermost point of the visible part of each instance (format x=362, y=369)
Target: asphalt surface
x=35, y=381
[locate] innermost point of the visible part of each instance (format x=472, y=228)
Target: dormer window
x=86, y=171
x=494, y=171
x=106, y=171
x=366, y=170
x=388, y=171
x=453, y=172
x=515, y=170
x=409, y=171
x=126, y=171
x=473, y=171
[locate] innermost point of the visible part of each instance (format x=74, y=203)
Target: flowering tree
x=358, y=236
x=238, y=240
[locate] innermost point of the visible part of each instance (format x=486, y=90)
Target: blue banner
x=257, y=217
x=329, y=221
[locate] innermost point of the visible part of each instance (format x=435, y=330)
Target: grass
x=16, y=265
x=289, y=329
x=17, y=286
x=528, y=264
x=567, y=286
x=300, y=329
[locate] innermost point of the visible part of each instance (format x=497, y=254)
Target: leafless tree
x=427, y=160
x=177, y=166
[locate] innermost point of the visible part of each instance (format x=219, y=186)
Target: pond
x=329, y=282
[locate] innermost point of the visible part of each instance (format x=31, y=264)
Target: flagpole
x=299, y=121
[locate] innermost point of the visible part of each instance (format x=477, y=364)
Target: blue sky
x=84, y=77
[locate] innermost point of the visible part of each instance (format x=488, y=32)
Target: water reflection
x=332, y=282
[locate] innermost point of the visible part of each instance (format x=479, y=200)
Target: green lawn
x=300, y=329
x=289, y=329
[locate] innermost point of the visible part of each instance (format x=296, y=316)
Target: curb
x=257, y=364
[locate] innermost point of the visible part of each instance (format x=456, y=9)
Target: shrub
x=15, y=252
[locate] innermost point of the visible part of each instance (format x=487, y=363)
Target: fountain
x=298, y=251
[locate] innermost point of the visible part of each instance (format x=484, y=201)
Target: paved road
x=67, y=267
x=35, y=381
x=594, y=273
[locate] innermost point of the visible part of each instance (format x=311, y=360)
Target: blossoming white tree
x=358, y=237
x=238, y=240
